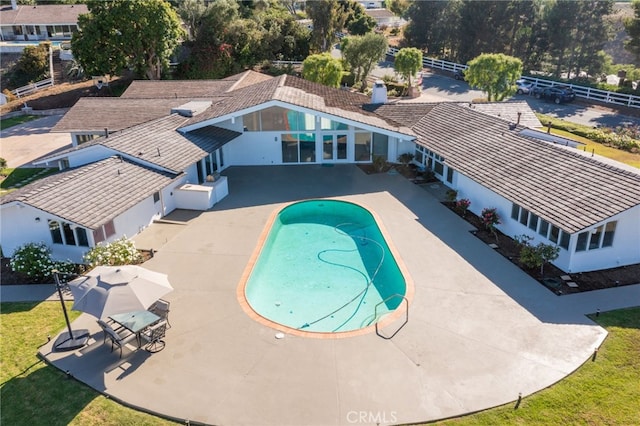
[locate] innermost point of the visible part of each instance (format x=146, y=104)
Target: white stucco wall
x=89, y=155
x=624, y=251
x=19, y=226
x=255, y=148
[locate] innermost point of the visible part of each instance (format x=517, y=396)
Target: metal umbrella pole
x=68, y=340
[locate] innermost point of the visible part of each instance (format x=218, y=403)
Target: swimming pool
x=324, y=267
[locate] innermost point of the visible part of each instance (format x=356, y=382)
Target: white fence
x=30, y=88
x=581, y=91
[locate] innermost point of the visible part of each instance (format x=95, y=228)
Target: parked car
x=459, y=75
x=557, y=94
x=523, y=87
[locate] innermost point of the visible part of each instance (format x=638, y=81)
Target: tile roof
x=406, y=114
x=302, y=93
x=96, y=114
x=92, y=194
x=509, y=111
x=42, y=14
x=559, y=184
x=158, y=142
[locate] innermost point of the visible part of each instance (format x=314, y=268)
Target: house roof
x=192, y=89
x=406, y=114
x=92, y=194
x=97, y=114
x=381, y=13
x=561, y=185
x=42, y=14
x=158, y=142
x=301, y=93
x=509, y=111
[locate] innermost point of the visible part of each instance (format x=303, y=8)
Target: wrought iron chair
x=153, y=335
x=161, y=308
x=117, y=339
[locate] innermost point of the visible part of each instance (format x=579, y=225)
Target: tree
x=398, y=7
x=141, y=34
x=495, y=74
x=433, y=27
x=407, y=63
x=632, y=25
x=357, y=22
x=192, y=13
x=327, y=19
x=361, y=53
x=536, y=256
x=33, y=65
x=322, y=68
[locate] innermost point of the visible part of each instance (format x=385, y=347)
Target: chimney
x=549, y=128
x=14, y=4
x=106, y=132
x=519, y=115
x=379, y=93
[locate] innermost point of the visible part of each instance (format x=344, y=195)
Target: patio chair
x=117, y=339
x=153, y=335
x=103, y=325
x=161, y=309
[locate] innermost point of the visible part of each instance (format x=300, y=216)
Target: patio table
x=135, y=321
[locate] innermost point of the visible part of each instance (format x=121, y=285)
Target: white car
x=523, y=87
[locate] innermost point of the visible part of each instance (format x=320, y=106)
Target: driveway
x=21, y=145
x=480, y=331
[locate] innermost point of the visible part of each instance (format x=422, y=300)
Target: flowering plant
x=119, y=252
x=462, y=205
x=34, y=260
x=490, y=218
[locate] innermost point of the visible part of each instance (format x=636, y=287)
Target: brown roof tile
x=42, y=14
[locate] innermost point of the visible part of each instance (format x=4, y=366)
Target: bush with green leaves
x=119, y=252
x=34, y=261
x=536, y=256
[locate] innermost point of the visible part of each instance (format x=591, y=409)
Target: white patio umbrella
x=108, y=290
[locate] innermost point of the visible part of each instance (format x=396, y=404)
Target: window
x=554, y=234
x=363, y=146
x=327, y=124
x=524, y=216
x=515, y=211
x=69, y=236
x=533, y=221
x=81, y=237
x=449, y=175
x=98, y=235
x=251, y=122
x=581, y=244
x=594, y=240
x=419, y=157
x=56, y=233
x=564, y=240
x=438, y=168
x=221, y=157
x=298, y=147
x=156, y=196
x=380, y=145
x=544, y=228
x=609, y=231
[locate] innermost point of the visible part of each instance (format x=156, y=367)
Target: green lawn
x=14, y=121
x=10, y=177
x=620, y=155
x=604, y=392
x=36, y=394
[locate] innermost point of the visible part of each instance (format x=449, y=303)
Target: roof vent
x=379, y=93
x=191, y=109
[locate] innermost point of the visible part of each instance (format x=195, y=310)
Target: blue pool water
x=323, y=268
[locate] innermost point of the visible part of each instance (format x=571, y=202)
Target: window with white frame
x=67, y=234
x=541, y=226
x=599, y=237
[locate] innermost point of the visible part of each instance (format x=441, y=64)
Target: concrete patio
x=480, y=331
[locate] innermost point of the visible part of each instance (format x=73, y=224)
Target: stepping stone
x=566, y=277
x=572, y=284
x=493, y=246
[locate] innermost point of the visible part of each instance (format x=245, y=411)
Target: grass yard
x=604, y=392
x=598, y=393
x=10, y=177
x=31, y=392
x=620, y=155
x=14, y=121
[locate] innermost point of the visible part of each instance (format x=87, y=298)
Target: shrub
x=451, y=194
x=118, y=252
x=405, y=158
x=34, y=260
x=490, y=218
x=3, y=163
x=537, y=256
x=462, y=206
x=379, y=163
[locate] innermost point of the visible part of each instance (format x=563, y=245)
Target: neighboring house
x=385, y=17
x=39, y=22
x=179, y=135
